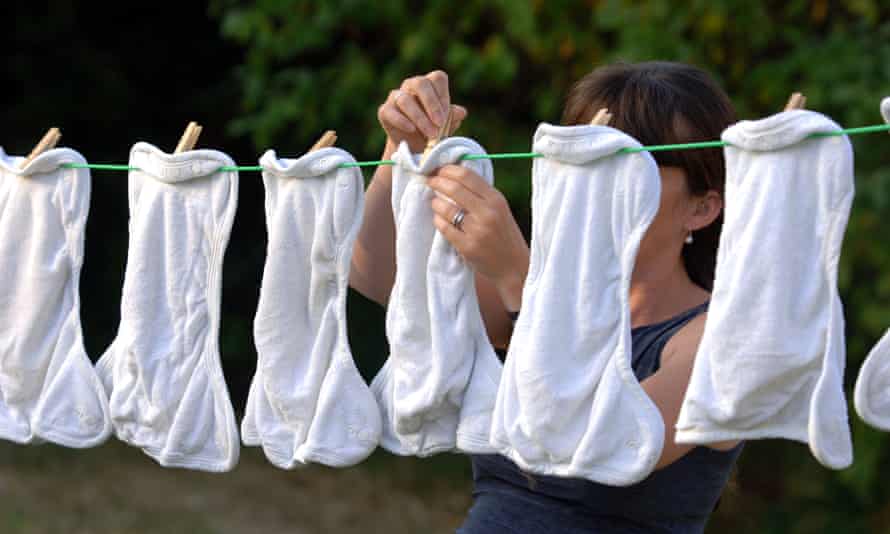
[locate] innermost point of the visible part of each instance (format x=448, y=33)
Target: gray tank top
x=676, y=499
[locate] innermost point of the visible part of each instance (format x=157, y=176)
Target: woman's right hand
x=416, y=110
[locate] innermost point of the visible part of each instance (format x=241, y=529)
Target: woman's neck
x=660, y=290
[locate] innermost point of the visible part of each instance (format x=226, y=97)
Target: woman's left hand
x=487, y=237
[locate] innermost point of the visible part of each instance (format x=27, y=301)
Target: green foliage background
x=277, y=73
x=311, y=65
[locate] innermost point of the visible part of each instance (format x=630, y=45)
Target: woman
x=656, y=103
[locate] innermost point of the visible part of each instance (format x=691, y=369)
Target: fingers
x=409, y=106
x=418, y=110
x=458, y=114
x=390, y=115
x=447, y=211
x=469, y=180
x=428, y=94
x=465, y=243
x=449, y=232
x=456, y=191
x=439, y=81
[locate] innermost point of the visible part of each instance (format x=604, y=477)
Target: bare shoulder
x=684, y=343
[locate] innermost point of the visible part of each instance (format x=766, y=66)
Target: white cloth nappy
x=569, y=404
x=872, y=393
x=49, y=390
x=771, y=360
x=307, y=401
x=162, y=371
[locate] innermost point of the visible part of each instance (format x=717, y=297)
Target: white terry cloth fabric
x=771, y=360
x=162, y=371
x=569, y=404
x=872, y=392
x=437, y=388
x=307, y=401
x=48, y=388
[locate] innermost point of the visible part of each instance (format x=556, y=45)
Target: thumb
x=458, y=114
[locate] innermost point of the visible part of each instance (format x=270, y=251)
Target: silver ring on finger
x=458, y=218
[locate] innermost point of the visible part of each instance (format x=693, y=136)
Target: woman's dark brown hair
x=661, y=103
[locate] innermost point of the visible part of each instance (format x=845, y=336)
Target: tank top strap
x=648, y=341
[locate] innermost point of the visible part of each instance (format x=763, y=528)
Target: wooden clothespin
x=602, y=118
x=444, y=131
x=797, y=101
x=325, y=141
x=189, y=138
x=49, y=140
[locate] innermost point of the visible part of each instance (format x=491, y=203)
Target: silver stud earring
x=689, y=238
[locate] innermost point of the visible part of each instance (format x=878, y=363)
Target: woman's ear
x=705, y=210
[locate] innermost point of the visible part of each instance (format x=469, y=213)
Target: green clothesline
x=509, y=155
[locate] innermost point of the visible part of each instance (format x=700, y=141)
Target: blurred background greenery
x=276, y=74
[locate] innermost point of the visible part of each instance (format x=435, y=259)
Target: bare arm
x=373, y=269
x=667, y=387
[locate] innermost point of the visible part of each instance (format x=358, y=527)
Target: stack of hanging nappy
x=566, y=403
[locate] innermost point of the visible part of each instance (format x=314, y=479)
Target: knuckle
x=438, y=206
x=484, y=235
x=499, y=200
x=457, y=172
x=410, y=113
x=449, y=188
x=444, y=186
x=488, y=217
x=438, y=75
x=423, y=83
